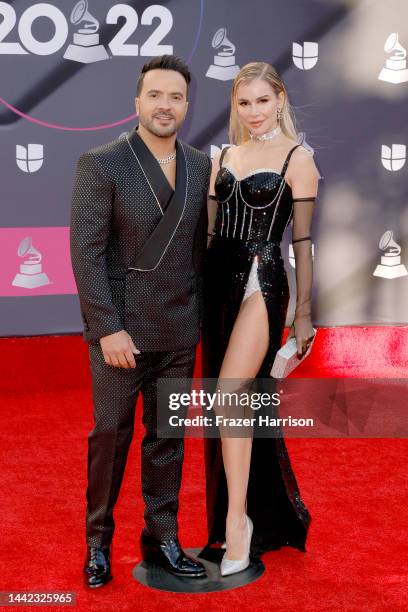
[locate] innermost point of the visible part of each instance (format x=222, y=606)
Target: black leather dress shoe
x=169, y=555
x=97, y=568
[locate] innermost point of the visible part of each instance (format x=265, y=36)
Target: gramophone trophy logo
x=224, y=67
x=85, y=47
x=390, y=266
x=395, y=70
x=31, y=275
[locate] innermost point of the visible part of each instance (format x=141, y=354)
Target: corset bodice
x=257, y=207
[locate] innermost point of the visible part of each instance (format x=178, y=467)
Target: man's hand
x=118, y=350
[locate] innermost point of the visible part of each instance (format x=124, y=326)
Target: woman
x=257, y=187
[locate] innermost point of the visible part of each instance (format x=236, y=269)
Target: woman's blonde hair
x=259, y=70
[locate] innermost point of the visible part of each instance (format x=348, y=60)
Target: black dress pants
x=115, y=392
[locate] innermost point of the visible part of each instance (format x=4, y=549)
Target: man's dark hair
x=164, y=62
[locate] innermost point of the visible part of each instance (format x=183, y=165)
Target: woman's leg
x=247, y=347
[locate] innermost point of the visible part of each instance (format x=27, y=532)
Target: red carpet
x=356, y=491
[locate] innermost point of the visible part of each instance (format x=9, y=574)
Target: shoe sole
x=98, y=586
x=178, y=574
x=149, y=558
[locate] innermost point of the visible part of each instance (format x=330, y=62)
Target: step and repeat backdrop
x=68, y=77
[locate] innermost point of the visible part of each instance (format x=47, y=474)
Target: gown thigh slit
x=245, y=256
x=253, y=281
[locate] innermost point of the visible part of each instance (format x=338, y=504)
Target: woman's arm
x=304, y=190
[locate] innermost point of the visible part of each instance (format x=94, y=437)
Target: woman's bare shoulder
x=216, y=158
x=230, y=152
x=303, y=164
x=302, y=156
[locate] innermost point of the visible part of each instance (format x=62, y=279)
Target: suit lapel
x=150, y=167
x=172, y=203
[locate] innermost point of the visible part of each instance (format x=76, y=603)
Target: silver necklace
x=166, y=160
x=267, y=135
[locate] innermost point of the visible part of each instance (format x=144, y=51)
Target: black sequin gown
x=252, y=216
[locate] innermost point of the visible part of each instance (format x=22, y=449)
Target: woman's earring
x=279, y=115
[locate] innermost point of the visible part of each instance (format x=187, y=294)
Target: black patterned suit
x=137, y=249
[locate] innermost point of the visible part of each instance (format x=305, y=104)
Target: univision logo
x=393, y=158
x=30, y=159
x=305, y=56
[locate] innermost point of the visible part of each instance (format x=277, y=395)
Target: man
x=138, y=234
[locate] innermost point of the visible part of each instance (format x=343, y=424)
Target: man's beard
x=161, y=132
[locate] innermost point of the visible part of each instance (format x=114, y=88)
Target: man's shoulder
x=108, y=150
x=106, y=158
x=196, y=154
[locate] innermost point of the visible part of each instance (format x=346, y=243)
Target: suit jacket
x=115, y=209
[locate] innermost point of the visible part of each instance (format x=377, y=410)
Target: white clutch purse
x=286, y=359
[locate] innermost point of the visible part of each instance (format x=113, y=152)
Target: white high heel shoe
x=224, y=544
x=232, y=566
